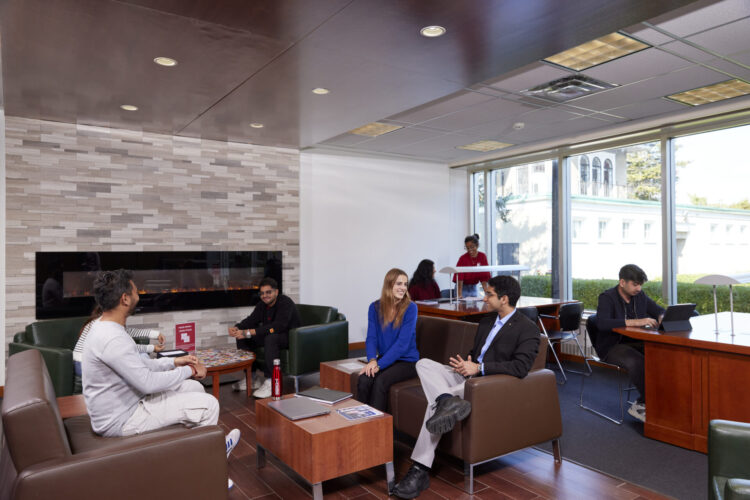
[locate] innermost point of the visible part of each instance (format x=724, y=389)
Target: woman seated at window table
x=467, y=282
x=391, y=342
x=423, y=285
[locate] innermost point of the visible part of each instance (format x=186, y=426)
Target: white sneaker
x=230, y=484
x=231, y=440
x=637, y=411
x=264, y=391
x=240, y=386
x=258, y=379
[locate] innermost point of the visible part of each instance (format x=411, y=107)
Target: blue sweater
x=392, y=344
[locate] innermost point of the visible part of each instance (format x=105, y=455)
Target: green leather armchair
x=728, y=460
x=55, y=339
x=322, y=336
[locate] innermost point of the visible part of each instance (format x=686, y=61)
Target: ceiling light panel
x=375, y=129
x=712, y=93
x=485, y=146
x=597, y=51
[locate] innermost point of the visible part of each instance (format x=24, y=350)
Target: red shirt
x=424, y=291
x=472, y=278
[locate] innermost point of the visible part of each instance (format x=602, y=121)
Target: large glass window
x=712, y=208
x=522, y=210
x=624, y=192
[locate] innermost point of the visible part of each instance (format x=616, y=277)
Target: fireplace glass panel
x=166, y=281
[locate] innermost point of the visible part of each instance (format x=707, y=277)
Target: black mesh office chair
x=570, y=326
x=533, y=314
x=592, y=333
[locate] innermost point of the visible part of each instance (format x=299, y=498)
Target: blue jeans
x=469, y=290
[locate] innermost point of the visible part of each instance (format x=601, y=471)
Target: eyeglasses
x=267, y=292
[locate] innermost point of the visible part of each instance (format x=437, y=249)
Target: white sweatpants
x=189, y=404
x=436, y=379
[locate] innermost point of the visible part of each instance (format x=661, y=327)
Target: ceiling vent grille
x=568, y=88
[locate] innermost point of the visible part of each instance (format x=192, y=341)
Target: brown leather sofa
x=508, y=413
x=46, y=457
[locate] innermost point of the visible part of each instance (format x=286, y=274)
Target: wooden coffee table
x=221, y=361
x=325, y=447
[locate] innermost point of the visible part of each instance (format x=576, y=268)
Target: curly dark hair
x=109, y=287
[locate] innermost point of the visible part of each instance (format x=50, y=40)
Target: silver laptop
x=297, y=408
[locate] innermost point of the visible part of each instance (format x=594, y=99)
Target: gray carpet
x=622, y=450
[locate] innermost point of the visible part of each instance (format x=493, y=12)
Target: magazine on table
x=358, y=412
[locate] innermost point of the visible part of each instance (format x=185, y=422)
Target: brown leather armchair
x=46, y=457
x=508, y=413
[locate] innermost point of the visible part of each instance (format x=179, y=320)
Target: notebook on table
x=324, y=395
x=298, y=408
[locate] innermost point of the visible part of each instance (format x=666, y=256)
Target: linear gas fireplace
x=166, y=281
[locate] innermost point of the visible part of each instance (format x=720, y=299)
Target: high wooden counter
x=695, y=376
x=475, y=311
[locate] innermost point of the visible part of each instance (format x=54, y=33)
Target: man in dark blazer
x=506, y=343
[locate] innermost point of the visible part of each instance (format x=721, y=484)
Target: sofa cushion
x=82, y=437
x=56, y=332
x=438, y=339
x=32, y=426
x=316, y=315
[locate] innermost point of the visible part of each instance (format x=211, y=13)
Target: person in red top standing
x=423, y=285
x=467, y=282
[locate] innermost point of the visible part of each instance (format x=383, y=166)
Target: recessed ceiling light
x=256, y=125
x=712, y=93
x=320, y=91
x=165, y=61
x=597, y=51
x=484, y=146
x=432, y=31
x=375, y=129
x=129, y=107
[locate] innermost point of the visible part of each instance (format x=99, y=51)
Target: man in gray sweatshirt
x=127, y=393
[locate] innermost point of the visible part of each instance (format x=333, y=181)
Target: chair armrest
x=311, y=345
x=192, y=464
x=499, y=404
x=728, y=449
x=737, y=489
x=59, y=363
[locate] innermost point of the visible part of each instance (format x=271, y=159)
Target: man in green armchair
x=268, y=327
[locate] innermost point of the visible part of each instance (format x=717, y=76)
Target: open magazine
x=358, y=412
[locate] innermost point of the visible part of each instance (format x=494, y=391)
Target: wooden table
x=71, y=406
x=337, y=375
x=325, y=447
x=475, y=311
x=695, y=376
x=221, y=361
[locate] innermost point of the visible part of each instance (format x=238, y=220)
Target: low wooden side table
x=337, y=375
x=230, y=360
x=325, y=447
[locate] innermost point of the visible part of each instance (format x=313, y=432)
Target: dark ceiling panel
x=280, y=19
x=78, y=61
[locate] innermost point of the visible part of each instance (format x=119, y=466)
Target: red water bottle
x=276, y=380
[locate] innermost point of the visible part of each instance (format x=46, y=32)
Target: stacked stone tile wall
x=80, y=188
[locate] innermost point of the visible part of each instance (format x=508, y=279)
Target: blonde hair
x=389, y=308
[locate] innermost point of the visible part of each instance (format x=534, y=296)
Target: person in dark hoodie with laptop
x=627, y=305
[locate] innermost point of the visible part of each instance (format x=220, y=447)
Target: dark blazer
x=514, y=348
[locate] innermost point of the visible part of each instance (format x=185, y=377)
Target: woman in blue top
x=391, y=341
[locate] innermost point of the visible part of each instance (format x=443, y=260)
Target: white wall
x=361, y=216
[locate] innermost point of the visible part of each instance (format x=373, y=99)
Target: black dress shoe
x=414, y=482
x=447, y=413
